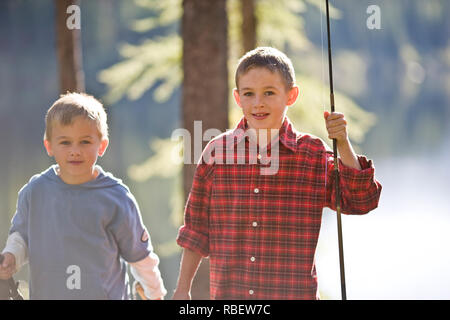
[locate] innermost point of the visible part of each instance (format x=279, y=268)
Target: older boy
x=260, y=231
x=75, y=223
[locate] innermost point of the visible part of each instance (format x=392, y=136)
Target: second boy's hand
x=8, y=266
x=337, y=129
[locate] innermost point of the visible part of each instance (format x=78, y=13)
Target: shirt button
x=256, y=190
x=259, y=156
x=251, y=291
x=252, y=259
x=255, y=224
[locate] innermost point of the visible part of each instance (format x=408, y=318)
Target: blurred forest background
x=392, y=83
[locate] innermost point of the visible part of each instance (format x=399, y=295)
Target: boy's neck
x=265, y=136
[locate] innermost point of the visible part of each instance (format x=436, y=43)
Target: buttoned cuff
x=359, y=179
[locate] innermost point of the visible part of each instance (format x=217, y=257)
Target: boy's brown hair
x=71, y=105
x=269, y=58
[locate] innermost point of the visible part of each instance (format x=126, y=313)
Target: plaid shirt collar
x=288, y=135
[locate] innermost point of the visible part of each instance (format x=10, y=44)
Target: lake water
x=401, y=249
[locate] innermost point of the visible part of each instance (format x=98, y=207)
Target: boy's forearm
x=147, y=273
x=347, y=155
x=189, y=265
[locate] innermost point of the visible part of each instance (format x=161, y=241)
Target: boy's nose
x=259, y=102
x=74, y=151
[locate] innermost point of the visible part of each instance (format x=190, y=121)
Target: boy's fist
x=336, y=125
x=7, y=266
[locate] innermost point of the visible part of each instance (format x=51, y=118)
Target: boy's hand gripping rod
x=336, y=168
x=10, y=286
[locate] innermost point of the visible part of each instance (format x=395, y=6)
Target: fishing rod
x=336, y=167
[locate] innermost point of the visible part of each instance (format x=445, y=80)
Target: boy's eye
x=269, y=93
x=64, y=142
x=85, y=142
x=248, y=94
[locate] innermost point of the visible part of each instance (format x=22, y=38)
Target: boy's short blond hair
x=269, y=58
x=72, y=105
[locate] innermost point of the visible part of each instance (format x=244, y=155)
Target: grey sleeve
x=130, y=233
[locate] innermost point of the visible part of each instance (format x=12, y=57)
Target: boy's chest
x=288, y=183
x=74, y=214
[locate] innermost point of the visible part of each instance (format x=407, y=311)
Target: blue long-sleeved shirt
x=79, y=236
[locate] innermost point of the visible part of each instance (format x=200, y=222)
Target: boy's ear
x=103, y=145
x=293, y=95
x=237, y=98
x=48, y=147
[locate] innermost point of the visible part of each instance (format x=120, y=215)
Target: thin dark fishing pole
x=336, y=168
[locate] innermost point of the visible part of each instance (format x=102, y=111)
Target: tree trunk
x=68, y=47
x=248, y=25
x=205, y=88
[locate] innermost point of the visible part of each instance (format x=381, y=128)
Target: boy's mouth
x=260, y=115
x=75, y=163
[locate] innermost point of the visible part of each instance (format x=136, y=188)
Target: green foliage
x=143, y=68
x=166, y=163
x=165, y=14
x=307, y=112
x=281, y=23
x=153, y=64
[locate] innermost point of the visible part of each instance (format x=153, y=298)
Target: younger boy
x=260, y=231
x=75, y=223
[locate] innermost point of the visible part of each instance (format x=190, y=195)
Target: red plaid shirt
x=260, y=231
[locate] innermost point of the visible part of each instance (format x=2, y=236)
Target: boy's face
x=264, y=98
x=75, y=148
